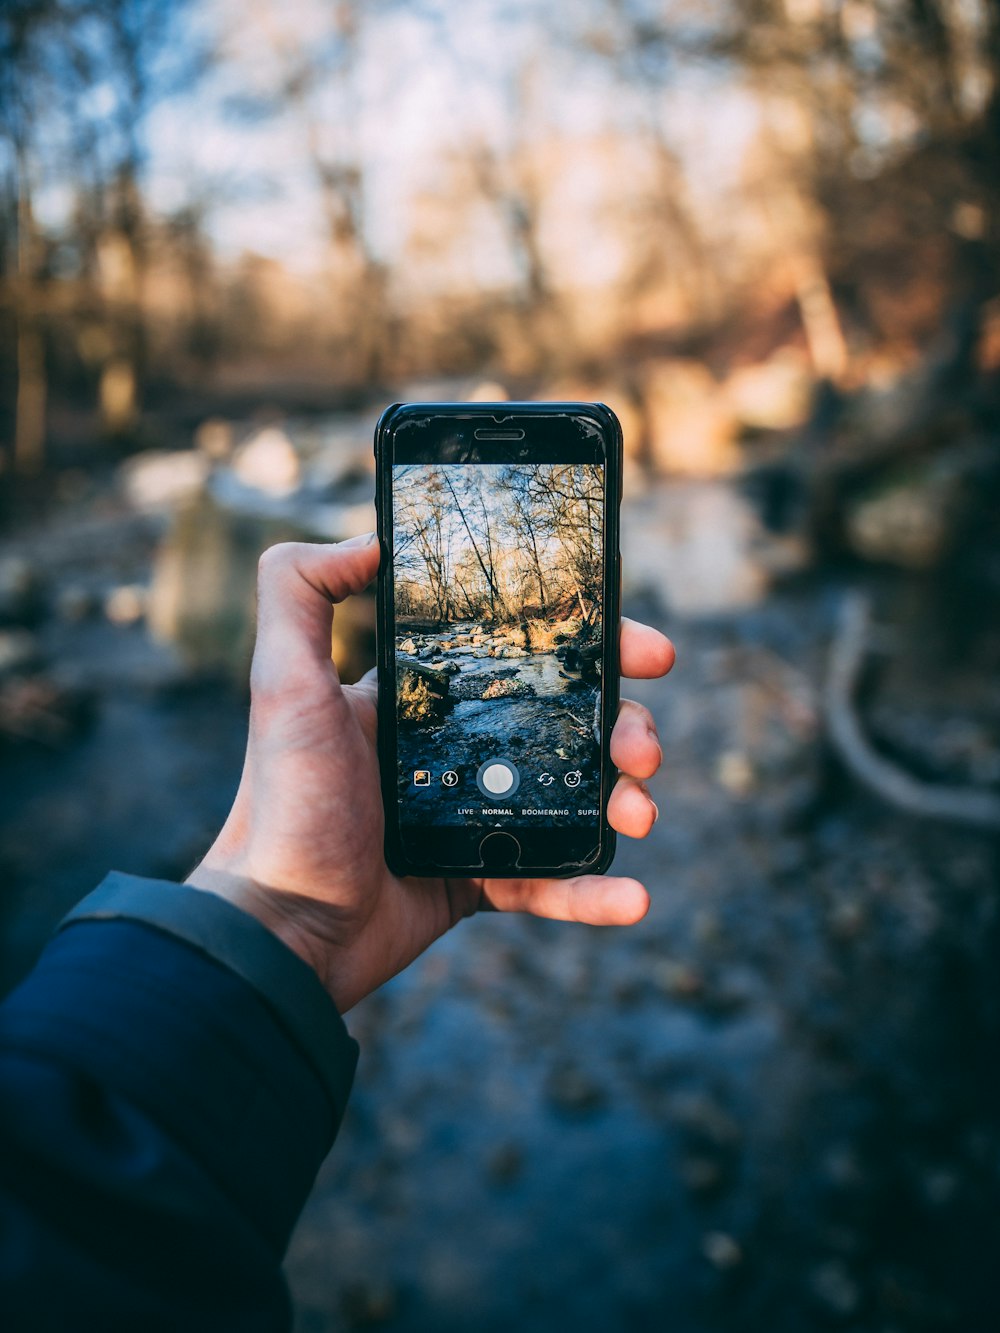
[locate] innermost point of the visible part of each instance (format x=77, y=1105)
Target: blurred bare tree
x=582, y=224
x=80, y=82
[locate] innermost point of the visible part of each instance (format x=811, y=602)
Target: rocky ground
x=771, y=1106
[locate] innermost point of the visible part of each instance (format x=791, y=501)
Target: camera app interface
x=498, y=584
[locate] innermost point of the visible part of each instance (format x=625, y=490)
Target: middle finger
x=635, y=746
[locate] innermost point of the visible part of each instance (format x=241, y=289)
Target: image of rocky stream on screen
x=498, y=579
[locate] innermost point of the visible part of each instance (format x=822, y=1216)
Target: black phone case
x=395, y=855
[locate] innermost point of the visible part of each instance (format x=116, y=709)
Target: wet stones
x=422, y=694
x=507, y=689
x=833, y=1289
x=573, y=1091
x=36, y=706
x=713, y=1141
x=43, y=710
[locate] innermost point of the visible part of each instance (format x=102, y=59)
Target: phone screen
x=498, y=585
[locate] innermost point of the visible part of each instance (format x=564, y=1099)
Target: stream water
x=547, y=733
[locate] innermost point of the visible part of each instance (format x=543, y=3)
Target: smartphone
x=498, y=624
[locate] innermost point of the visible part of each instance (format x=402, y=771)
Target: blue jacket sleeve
x=171, y=1077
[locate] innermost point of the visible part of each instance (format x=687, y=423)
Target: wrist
x=283, y=914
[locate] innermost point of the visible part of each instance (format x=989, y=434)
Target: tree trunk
x=29, y=421
x=29, y=428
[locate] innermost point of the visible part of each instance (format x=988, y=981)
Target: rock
x=451, y=668
x=908, y=522
x=332, y=475
x=75, y=603
x=846, y=920
x=505, y=1165
x=734, y=990
x=365, y=1302
x=705, y=1122
x=161, y=479
x=834, y=1289
x=940, y=1186
x=422, y=695
x=734, y=772
x=692, y=546
x=408, y=646
x=268, y=462
x=572, y=1090
x=507, y=689
x=43, y=710
x=703, y=1175
x=721, y=1250
x=567, y=632
x=214, y=438
x=510, y=650
x=677, y=979
x=204, y=588
x=581, y=662
x=21, y=593
x=488, y=391
x=515, y=636
x=842, y=1168
x=773, y=395
x=545, y=635
x=692, y=427
x=126, y=605
x=19, y=652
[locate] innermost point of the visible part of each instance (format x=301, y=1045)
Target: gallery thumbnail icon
x=421, y=777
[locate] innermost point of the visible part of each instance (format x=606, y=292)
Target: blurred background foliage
x=767, y=233
x=315, y=203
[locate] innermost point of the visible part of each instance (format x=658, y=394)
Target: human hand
x=302, y=846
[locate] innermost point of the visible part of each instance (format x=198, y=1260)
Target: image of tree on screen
x=498, y=578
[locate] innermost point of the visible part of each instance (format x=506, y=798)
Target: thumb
x=297, y=585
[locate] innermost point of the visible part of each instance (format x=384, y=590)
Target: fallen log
x=958, y=805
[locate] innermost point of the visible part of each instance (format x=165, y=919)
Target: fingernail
x=656, y=809
x=365, y=539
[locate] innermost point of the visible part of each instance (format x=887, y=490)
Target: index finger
x=645, y=652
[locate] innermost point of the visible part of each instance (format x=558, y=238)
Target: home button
x=499, y=851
